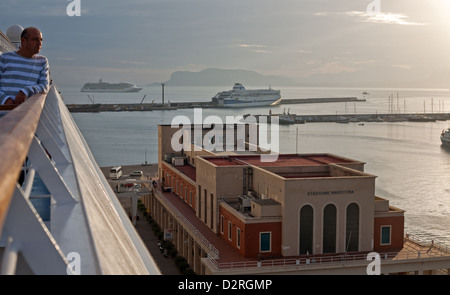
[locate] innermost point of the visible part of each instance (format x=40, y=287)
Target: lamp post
x=162, y=84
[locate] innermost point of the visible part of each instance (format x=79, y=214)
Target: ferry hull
x=248, y=103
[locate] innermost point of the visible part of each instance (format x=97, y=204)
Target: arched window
x=329, y=229
x=306, y=230
x=352, y=228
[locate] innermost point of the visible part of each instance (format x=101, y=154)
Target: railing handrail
x=405, y=255
x=17, y=129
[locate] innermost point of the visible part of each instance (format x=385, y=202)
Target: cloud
x=383, y=18
x=252, y=46
x=380, y=17
x=257, y=48
x=362, y=62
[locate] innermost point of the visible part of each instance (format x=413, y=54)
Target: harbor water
x=411, y=165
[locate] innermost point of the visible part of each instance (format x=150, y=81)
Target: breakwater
x=142, y=107
x=287, y=119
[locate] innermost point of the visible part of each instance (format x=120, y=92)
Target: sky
x=145, y=41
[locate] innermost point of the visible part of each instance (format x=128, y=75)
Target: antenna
x=143, y=98
x=91, y=99
x=162, y=84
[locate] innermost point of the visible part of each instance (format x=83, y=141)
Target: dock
x=287, y=119
x=143, y=107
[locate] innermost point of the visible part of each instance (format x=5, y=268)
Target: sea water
x=411, y=165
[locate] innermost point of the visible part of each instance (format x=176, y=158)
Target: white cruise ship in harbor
x=102, y=86
x=241, y=97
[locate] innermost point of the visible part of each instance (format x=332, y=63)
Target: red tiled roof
x=187, y=170
x=224, y=161
x=283, y=160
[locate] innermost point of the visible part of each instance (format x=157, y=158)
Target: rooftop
x=285, y=160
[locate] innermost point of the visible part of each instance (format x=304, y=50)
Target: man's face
x=33, y=42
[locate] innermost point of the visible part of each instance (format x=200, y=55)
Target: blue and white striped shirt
x=18, y=73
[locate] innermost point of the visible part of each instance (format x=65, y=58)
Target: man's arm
x=43, y=83
x=3, y=96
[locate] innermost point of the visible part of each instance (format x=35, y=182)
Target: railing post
x=17, y=130
x=10, y=256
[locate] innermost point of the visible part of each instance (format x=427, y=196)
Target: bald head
x=31, y=42
x=26, y=32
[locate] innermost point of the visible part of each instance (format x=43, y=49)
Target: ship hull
x=111, y=90
x=445, y=140
x=243, y=103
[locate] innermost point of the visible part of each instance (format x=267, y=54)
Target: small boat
x=365, y=93
x=286, y=119
x=445, y=137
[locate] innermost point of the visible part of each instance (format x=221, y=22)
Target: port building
x=232, y=213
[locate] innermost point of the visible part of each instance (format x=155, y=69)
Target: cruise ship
x=241, y=97
x=102, y=86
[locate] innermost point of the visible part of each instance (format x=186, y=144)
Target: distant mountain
x=378, y=76
x=224, y=77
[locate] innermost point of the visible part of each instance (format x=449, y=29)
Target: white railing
x=5, y=44
x=84, y=213
x=434, y=250
x=432, y=244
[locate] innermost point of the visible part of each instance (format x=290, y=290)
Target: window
x=238, y=237
x=211, y=211
x=205, y=207
x=306, y=230
x=329, y=229
x=265, y=242
x=352, y=228
x=229, y=230
x=386, y=235
x=221, y=224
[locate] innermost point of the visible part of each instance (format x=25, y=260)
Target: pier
x=355, y=118
x=142, y=107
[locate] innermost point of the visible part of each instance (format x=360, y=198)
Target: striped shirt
x=18, y=73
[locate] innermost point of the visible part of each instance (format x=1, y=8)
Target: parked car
x=137, y=173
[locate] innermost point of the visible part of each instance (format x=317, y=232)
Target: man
x=24, y=73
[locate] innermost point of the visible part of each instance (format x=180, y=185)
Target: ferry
x=445, y=137
x=241, y=97
x=102, y=86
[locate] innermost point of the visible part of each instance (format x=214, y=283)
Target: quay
x=286, y=119
x=142, y=107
